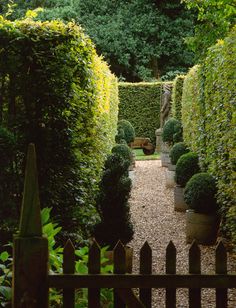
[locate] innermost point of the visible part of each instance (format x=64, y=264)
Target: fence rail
x=32, y=280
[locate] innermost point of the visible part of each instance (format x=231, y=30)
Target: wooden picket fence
x=32, y=280
x=145, y=280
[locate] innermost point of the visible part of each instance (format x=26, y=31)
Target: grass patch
x=139, y=155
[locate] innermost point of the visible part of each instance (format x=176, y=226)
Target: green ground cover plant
x=51, y=230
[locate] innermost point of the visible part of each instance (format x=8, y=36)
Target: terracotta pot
x=170, y=178
x=201, y=227
x=129, y=258
x=179, y=203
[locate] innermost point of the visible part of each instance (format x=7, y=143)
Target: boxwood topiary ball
x=200, y=193
x=187, y=165
x=172, y=131
x=176, y=151
x=124, y=151
x=128, y=129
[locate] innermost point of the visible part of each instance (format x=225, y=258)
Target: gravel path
x=155, y=220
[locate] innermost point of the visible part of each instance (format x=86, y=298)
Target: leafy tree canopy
x=140, y=39
x=215, y=19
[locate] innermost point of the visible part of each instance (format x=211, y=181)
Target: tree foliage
x=215, y=19
x=140, y=39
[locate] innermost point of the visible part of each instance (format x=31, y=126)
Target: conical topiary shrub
x=113, y=203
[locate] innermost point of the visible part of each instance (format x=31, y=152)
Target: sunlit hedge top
x=60, y=95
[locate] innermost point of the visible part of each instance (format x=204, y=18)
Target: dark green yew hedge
x=209, y=122
x=57, y=93
x=140, y=105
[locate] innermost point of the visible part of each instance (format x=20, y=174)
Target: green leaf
x=4, y=256
x=6, y=292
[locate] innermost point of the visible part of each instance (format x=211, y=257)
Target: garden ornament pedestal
x=179, y=203
x=170, y=178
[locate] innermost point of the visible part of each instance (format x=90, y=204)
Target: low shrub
x=125, y=131
x=200, y=193
x=172, y=131
x=176, y=151
x=186, y=167
x=113, y=204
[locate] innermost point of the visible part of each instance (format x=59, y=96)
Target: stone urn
x=179, y=203
x=201, y=227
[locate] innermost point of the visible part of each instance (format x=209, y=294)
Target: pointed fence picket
x=31, y=279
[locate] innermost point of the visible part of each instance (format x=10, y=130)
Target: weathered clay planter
x=170, y=178
x=129, y=258
x=171, y=167
x=179, y=203
x=165, y=159
x=201, y=227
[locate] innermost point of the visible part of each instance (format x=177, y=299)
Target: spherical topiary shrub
x=128, y=130
x=113, y=203
x=124, y=151
x=200, y=193
x=172, y=131
x=187, y=165
x=176, y=151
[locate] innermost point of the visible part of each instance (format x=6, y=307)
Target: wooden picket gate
x=32, y=280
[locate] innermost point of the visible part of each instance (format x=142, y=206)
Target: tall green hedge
x=176, y=97
x=57, y=93
x=140, y=105
x=220, y=101
x=193, y=112
x=209, y=122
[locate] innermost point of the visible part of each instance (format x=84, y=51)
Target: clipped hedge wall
x=140, y=105
x=176, y=97
x=193, y=113
x=209, y=122
x=57, y=93
x=220, y=115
